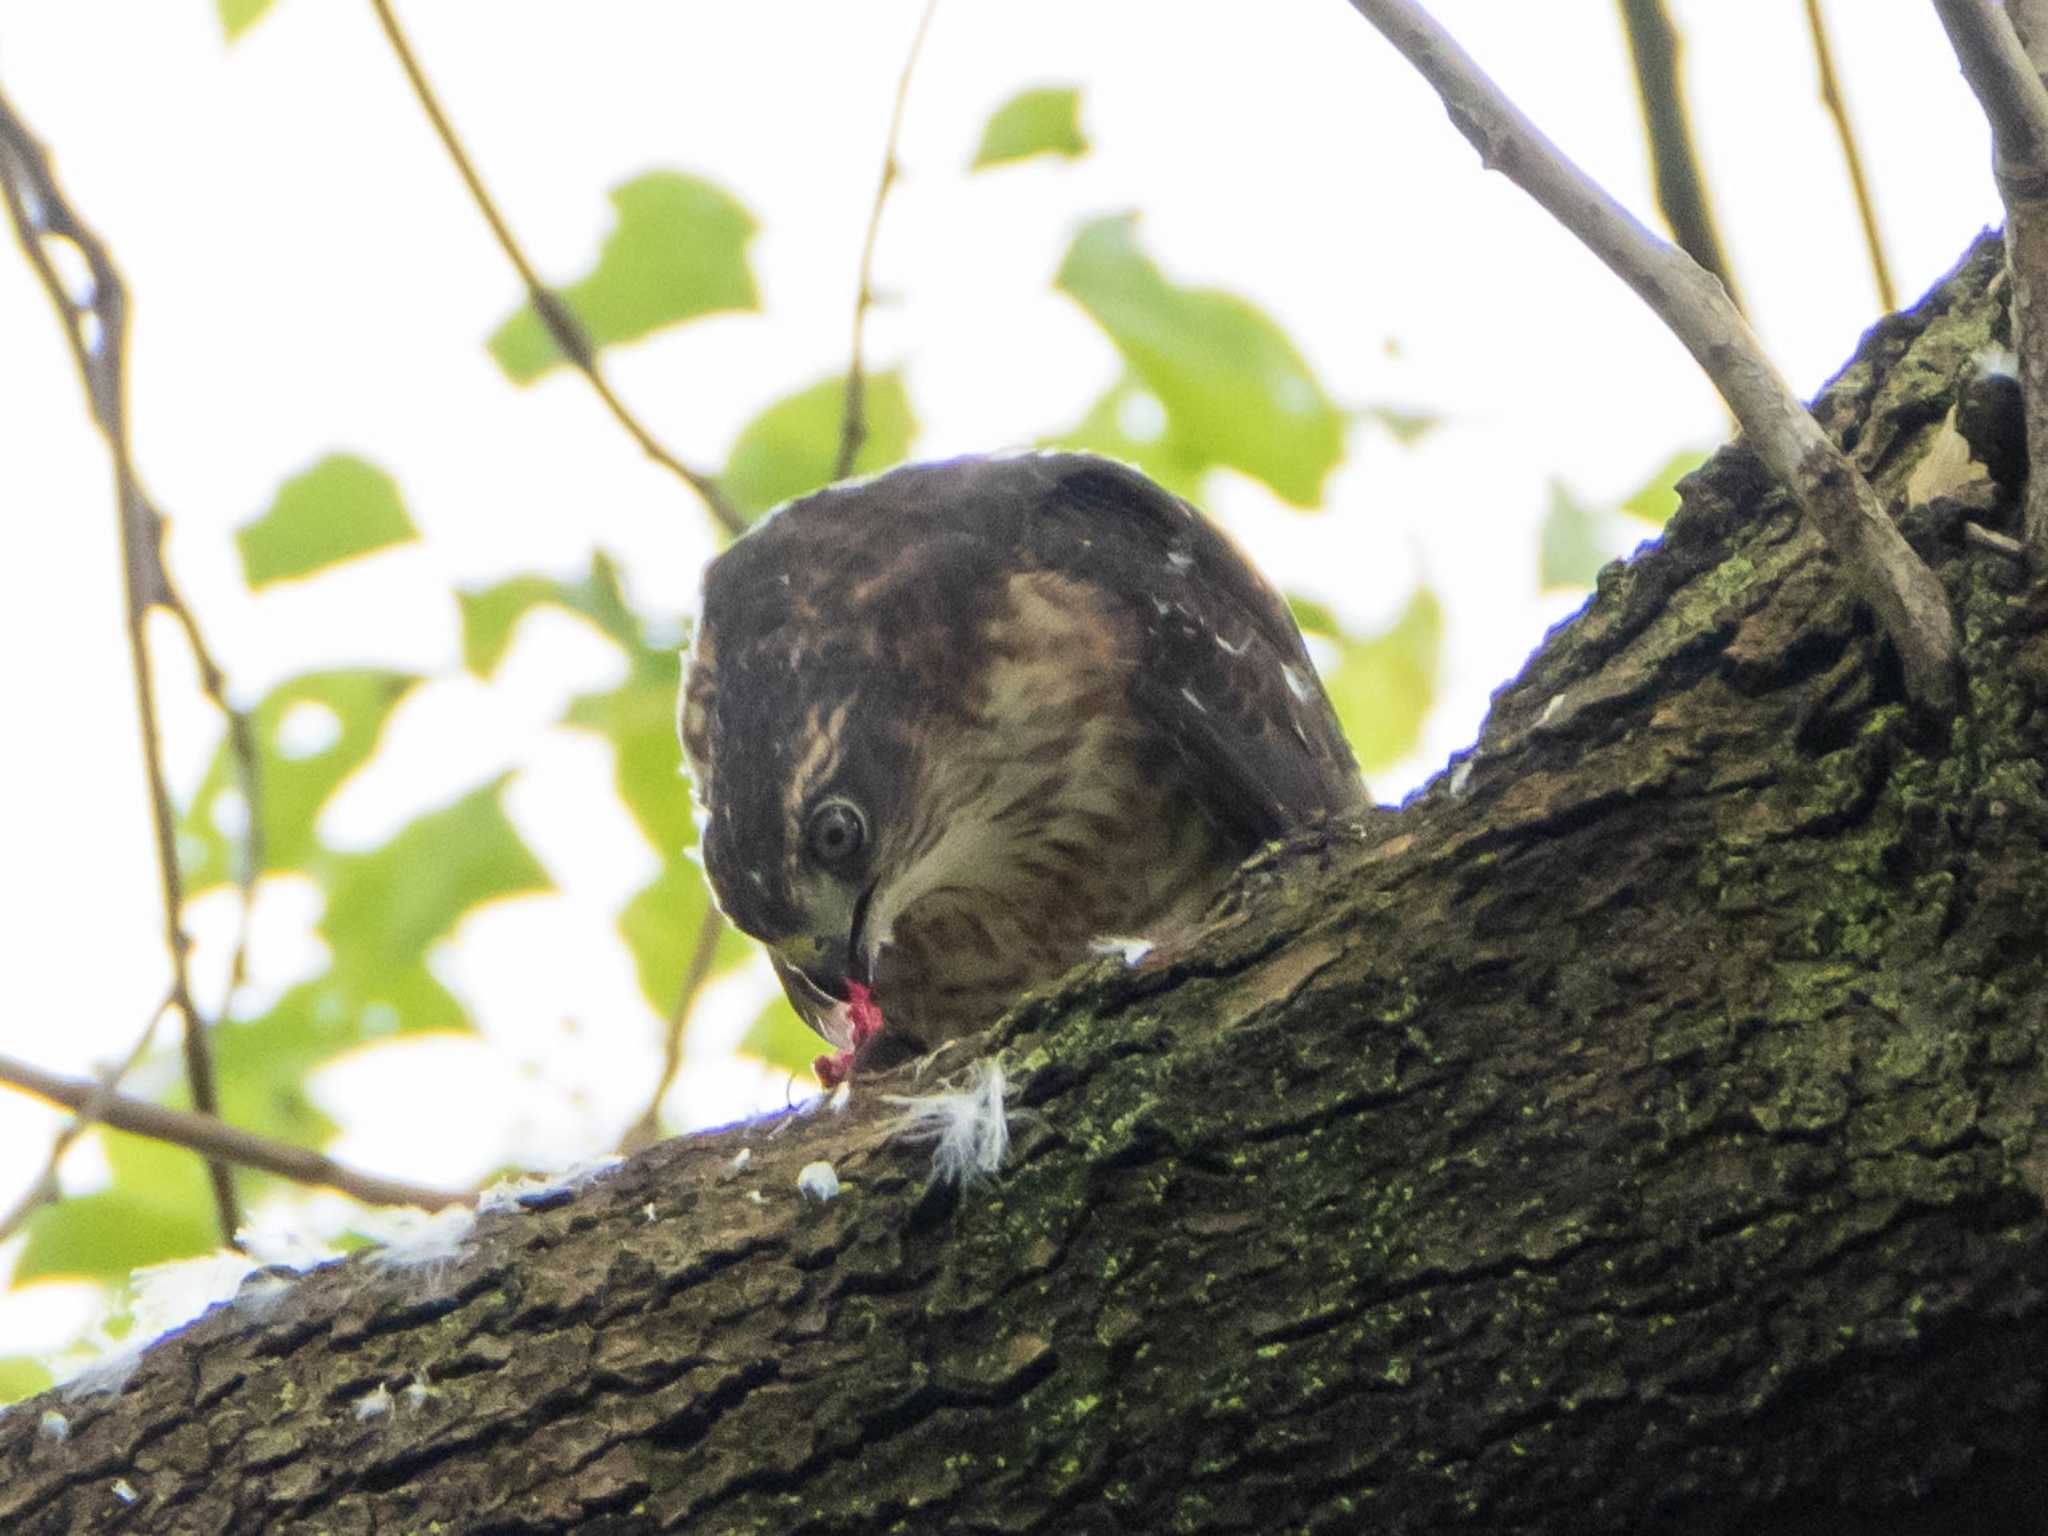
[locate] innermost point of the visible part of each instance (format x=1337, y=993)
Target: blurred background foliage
x=1209, y=381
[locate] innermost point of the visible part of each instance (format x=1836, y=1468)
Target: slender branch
x=2030, y=23
x=46, y=1189
x=646, y=1131
x=1878, y=562
x=1999, y=71
x=1654, y=48
x=215, y=1139
x=2009, y=89
x=559, y=319
x=1852, y=157
x=95, y=325
x=241, y=739
x=853, y=425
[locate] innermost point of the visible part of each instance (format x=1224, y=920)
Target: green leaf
x=1129, y=424
x=340, y=508
x=22, y=1377
x=385, y=911
x=385, y=908
x=1236, y=391
x=158, y=1207
x=789, y=449
x=1573, y=543
x=293, y=783
x=1313, y=617
x=1406, y=427
x=660, y=926
x=638, y=718
x=1045, y=121
x=1658, y=498
x=678, y=250
x=261, y=1065
x=491, y=614
x=1383, y=687
x=782, y=1039
x=238, y=16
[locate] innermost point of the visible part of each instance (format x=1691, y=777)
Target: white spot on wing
x=1298, y=683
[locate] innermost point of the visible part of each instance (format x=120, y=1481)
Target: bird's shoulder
x=929, y=570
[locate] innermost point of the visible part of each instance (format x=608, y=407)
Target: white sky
x=308, y=276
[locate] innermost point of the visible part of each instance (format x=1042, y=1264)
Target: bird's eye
x=837, y=832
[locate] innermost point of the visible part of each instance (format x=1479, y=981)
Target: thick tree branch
x=560, y=320
x=1640, y=1130
x=2008, y=87
x=1878, y=562
x=95, y=325
x=853, y=425
x=213, y=1138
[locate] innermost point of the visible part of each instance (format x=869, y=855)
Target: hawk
x=950, y=726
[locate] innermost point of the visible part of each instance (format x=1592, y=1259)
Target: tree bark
x=1637, y=1130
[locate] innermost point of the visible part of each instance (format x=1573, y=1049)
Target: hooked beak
x=827, y=962
x=823, y=964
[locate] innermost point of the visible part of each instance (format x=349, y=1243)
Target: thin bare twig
x=1874, y=555
x=1852, y=157
x=95, y=325
x=248, y=778
x=45, y=1190
x=2009, y=89
x=646, y=1131
x=216, y=1140
x=560, y=320
x=853, y=424
x=1654, y=49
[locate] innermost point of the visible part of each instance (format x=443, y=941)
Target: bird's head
x=800, y=770
x=813, y=677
